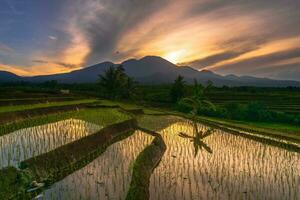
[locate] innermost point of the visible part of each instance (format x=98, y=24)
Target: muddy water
x=107, y=177
x=224, y=167
x=26, y=143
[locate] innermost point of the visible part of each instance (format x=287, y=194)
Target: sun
x=174, y=56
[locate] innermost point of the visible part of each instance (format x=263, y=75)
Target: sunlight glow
x=174, y=56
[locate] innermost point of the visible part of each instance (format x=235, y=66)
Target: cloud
x=103, y=23
x=282, y=71
x=38, y=68
x=40, y=61
x=5, y=49
x=62, y=64
x=226, y=36
x=52, y=37
x=67, y=65
x=260, y=64
x=212, y=59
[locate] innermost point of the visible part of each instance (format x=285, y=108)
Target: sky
x=258, y=37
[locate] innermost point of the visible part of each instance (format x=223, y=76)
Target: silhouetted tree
x=197, y=100
x=116, y=84
x=209, y=86
x=50, y=84
x=178, y=89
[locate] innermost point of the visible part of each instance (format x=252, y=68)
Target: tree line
x=116, y=84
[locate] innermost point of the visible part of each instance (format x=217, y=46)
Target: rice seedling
x=24, y=143
x=29, y=142
x=107, y=177
x=237, y=168
x=101, y=117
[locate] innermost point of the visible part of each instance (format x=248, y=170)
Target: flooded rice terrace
x=199, y=163
x=218, y=165
x=107, y=177
x=29, y=142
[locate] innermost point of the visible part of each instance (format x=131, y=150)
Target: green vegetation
x=266, y=115
x=116, y=84
x=178, y=89
x=196, y=102
x=253, y=112
x=50, y=164
x=100, y=116
x=56, y=164
x=5, y=109
x=163, y=119
x=271, y=129
x=156, y=123
x=143, y=167
x=12, y=181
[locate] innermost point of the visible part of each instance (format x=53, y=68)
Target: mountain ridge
x=151, y=70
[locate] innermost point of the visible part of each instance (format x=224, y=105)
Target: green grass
x=157, y=123
x=125, y=105
x=129, y=106
x=274, y=129
x=12, y=181
x=5, y=109
x=145, y=163
x=54, y=165
x=100, y=116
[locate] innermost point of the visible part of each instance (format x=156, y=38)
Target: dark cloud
x=281, y=18
x=211, y=60
x=233, y=48
x=65, y=65
x=108, y=25
x=40, y=61
x=259, y=64
x=283, y=71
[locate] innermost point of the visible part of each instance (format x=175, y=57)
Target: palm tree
x=197, y=101
x=109, y=82
x=177, y=90
x=197, y=140
x=116, y=84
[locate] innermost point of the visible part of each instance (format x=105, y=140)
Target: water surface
x=107, y=177
x=222, y=166
x=29, y=142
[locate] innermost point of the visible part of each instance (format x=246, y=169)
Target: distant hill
x=9, y=77
x=153, y=70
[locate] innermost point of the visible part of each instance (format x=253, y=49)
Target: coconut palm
x=116, y=84
x=197, y=101
x=197, y=140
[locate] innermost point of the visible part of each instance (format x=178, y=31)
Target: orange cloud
x=36, y=69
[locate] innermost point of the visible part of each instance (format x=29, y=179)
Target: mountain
x=9, y=77
x=85, y=75
x=156, y=70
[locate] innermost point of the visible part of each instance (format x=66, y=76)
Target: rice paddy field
x=108, y=150
x=283, y=101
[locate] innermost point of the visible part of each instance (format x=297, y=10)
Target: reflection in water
x=197, y=139
x=26, y=143
x=107, y=177
x=239, y=168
